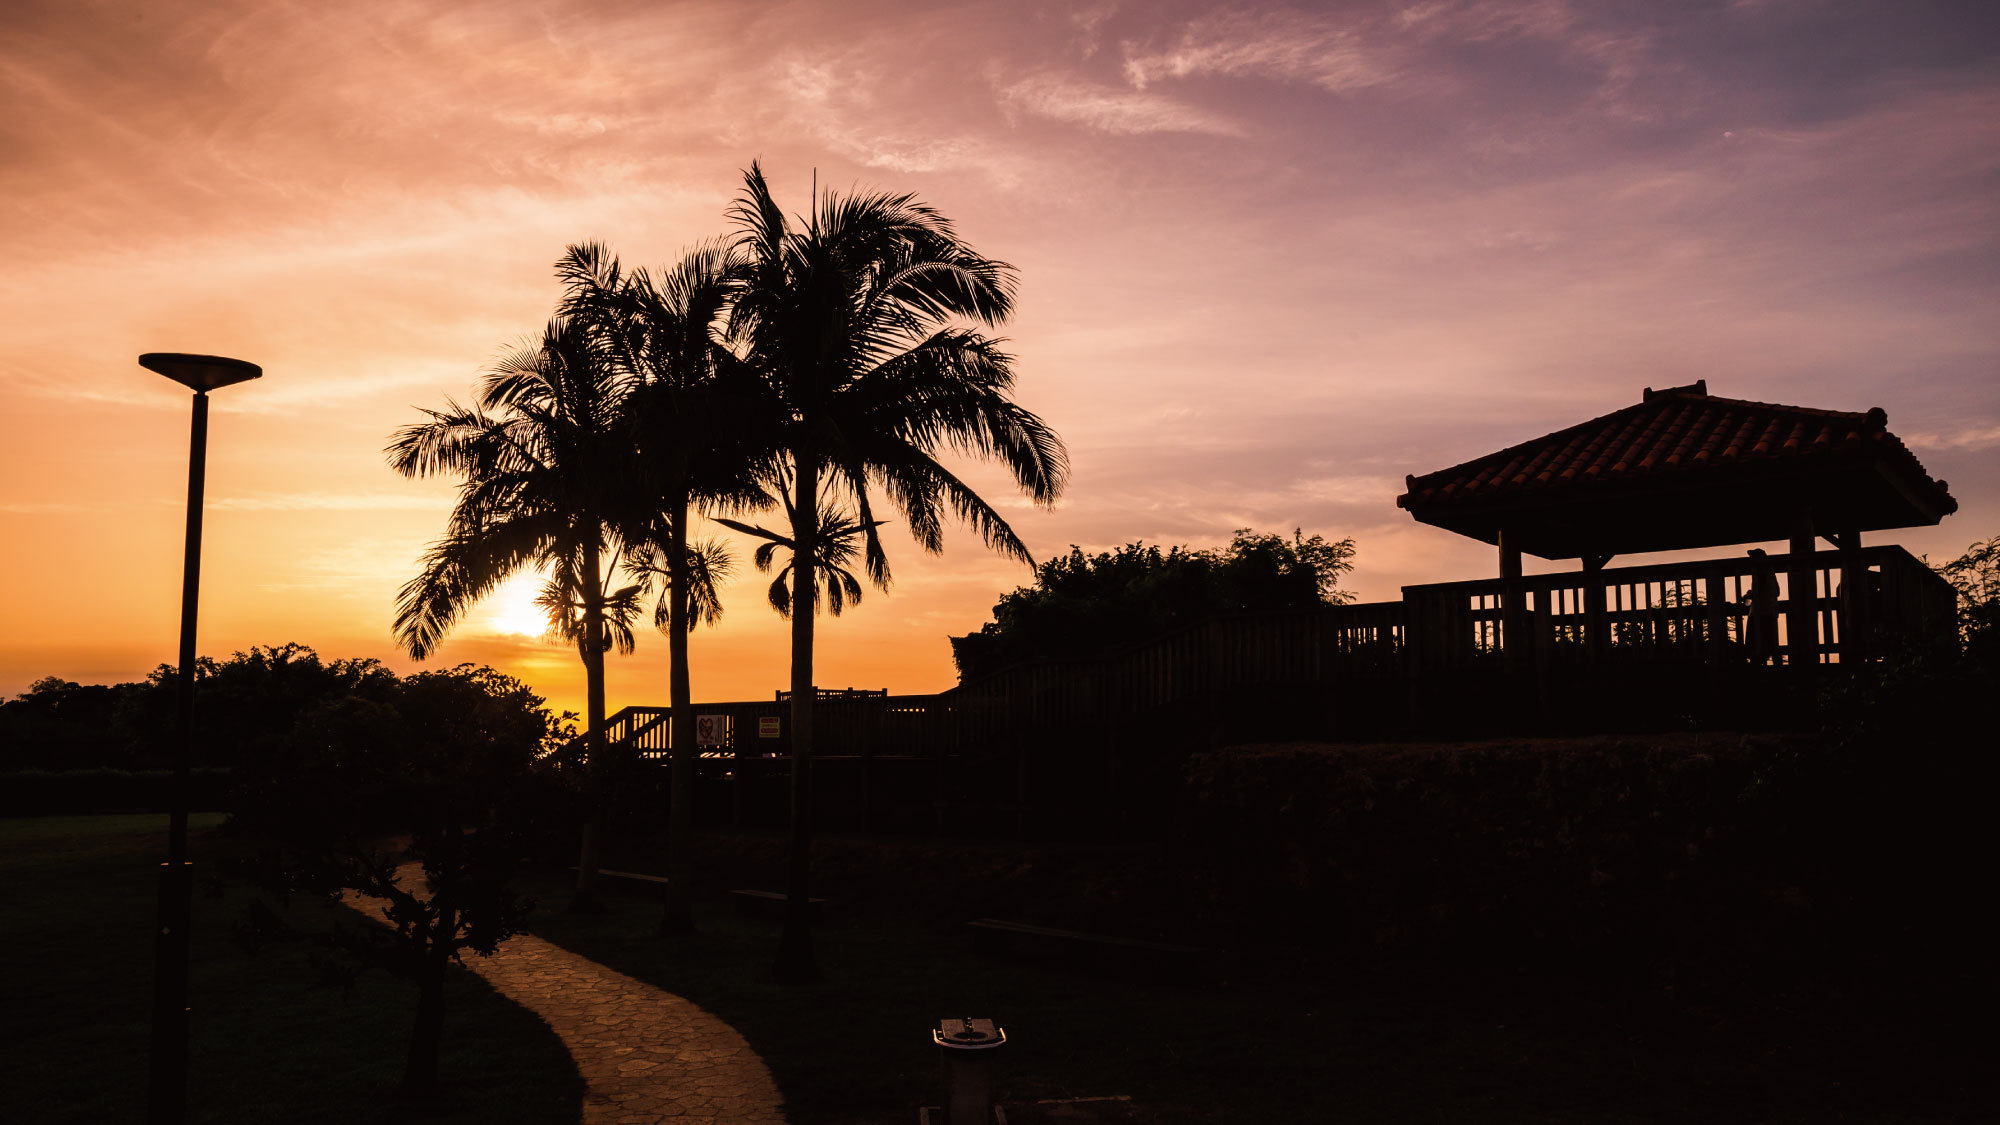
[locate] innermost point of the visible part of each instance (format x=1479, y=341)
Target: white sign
x=711, y=730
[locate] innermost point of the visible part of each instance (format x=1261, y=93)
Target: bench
x=603, y=873
x=770, y=905
x=633, y=875
x=1098, y=952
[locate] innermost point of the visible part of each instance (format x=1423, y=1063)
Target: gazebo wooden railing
x=1055, y=739
x=1862, y=603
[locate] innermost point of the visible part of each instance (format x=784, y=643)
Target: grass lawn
x=272, y=1042
x=1288, y=1038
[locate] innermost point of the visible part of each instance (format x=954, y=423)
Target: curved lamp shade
x=200, y=372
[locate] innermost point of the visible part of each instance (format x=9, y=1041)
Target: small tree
x=1976, y=576
x=451, y=761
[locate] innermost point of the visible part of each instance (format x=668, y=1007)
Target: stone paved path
x=646, y=1055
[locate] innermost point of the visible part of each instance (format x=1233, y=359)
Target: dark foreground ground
x=1283, y=1034
x=284, y=1030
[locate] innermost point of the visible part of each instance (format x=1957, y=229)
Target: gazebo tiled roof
x=1685, y=469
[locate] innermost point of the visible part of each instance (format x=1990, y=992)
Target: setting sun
x=511, y=611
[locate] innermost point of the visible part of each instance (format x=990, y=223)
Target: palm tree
x=540, y=480
x=692, y=416
x=850, y=318
x=837, y=535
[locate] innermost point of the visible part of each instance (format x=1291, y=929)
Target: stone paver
x=646, y=1055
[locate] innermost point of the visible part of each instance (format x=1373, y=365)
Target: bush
x=1081, y=605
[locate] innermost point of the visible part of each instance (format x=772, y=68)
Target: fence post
x=1802, y=600
x=1417, y=642
x=1517, y=648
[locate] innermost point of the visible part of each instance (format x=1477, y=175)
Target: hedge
x=1674, y=856
x=45, y=792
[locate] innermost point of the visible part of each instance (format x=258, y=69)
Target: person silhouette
x=1860, y=612
x=1761, y=600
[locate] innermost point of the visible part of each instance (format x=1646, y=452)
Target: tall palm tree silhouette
x=851, y=322
x=540, y=467
x=698, y=444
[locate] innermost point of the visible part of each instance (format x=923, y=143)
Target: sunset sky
x=1272, y=259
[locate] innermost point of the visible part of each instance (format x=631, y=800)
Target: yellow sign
x=767, y=726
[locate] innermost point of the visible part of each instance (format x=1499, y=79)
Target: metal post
x=168, y=1077
x=968, y=1047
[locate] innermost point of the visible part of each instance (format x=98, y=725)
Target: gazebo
x=1682, y=470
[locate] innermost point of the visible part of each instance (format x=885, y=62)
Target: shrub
x=49, y=792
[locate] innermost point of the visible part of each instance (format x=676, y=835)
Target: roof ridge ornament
x=1696, y=389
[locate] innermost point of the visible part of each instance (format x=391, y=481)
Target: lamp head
x=200, y=373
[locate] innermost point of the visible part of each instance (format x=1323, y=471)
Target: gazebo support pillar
x=1521, y=643
x=1513, y=605
x=1802, y=599
x=1858, y=599
x=1597, y=624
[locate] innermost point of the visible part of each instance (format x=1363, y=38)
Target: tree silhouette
x=837, y=541
x=542, y=482
x=451, y=757
x=1976, y=576
x=693, y=420
x=849, y=317
x=1082, y=605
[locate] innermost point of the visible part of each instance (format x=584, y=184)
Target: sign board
x=711, y=730
x=767, y=726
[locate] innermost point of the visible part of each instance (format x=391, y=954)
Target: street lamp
x=168, y=1078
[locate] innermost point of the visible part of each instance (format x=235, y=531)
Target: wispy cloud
x=1110, y=109
x=367, y=568
x=13, y=508
x=1421, y=46
x=331, y=502
x=835, y=100
x=1967, y=438
x=263, y=397
x=1087, y=19
x=1329, y=52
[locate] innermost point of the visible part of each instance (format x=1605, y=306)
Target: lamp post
x=167, y=1083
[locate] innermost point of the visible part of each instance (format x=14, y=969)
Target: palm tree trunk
x=594, y=748
x=680, y=697
x=795, y=955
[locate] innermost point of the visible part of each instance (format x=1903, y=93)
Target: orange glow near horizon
x=1272, y=259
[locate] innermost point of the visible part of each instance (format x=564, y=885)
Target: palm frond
x=537, y=463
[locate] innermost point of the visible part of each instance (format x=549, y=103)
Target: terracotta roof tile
x=1676, y=430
